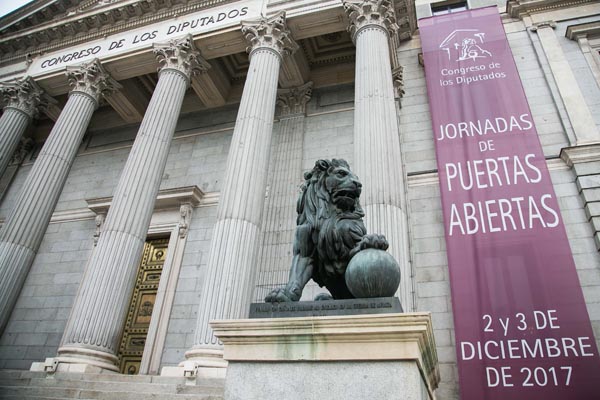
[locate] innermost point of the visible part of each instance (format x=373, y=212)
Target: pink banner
x=522, y=328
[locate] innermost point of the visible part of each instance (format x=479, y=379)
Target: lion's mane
x=333, y=232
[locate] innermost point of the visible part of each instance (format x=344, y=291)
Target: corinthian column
x=377, y=156
x=285, y=174
x=22, y=100
x=232, y=259
x=95, y=325
x=24, y=229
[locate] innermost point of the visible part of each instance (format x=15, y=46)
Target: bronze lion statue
x=329, y=232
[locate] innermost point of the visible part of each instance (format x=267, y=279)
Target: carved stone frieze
x=271, y=33
x=25, y=95
x=363, y=13
x=180, y=54
x=293, y=101
x=91, y=78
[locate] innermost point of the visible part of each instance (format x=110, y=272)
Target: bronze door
x=141, y=306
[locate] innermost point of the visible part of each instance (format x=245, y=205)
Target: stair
x=28, y=385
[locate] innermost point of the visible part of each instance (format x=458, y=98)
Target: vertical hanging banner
x=521, y=323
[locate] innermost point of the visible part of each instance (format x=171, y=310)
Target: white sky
x=6, y=6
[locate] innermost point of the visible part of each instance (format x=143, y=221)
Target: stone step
x=14, y=382
x=141, y=387
x=25, y=385
x=8, y=374
x=20, y=397
x=18, y=378
x=100, y=395
x=32, y=391
x=38, y=393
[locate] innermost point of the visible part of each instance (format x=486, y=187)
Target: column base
x=207, y=357
x=83, y=360
x=201, y=362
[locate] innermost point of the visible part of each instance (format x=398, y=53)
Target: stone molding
x=180, y=54
x=269, y=33
x=91, y=79
x=521, y=8
x=293, y=101
x=580, y=154
x=585, y=29
x=25, y=95
x=541, y=25
x=166, y=199
x=405, y=336
x=370, y=13
x=585, y=162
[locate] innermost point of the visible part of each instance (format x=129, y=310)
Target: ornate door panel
x=141, y=305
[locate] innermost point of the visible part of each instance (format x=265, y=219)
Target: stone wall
x=37, y=322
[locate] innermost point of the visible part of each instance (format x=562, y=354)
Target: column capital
x=270, y=33
x=25, y=95
x=180, y=54
x=541, y=25
x=91, y=79
x=363, y=13
x=293, y=101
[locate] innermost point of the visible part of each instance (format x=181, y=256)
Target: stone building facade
x=151, y=153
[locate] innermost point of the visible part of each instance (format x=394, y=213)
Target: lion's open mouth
x=345, y=198
x=346, y=193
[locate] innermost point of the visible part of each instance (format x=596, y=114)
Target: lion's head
x=329, y=188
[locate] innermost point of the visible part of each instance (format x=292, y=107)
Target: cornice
x=520, y=8
x=31, y=10
x=589, y=28
x=95, y=24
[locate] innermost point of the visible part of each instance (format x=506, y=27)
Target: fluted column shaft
x=24, y=229
x=377, y=153
x=236, y=236
x=94, y=329
x=231, y=268
x=12, y=126
x=285, y=172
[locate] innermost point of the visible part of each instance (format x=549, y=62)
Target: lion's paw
x=374, y=241
x=281, y=295
x=323, y=297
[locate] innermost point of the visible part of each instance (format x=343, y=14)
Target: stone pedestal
x=386, y=356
